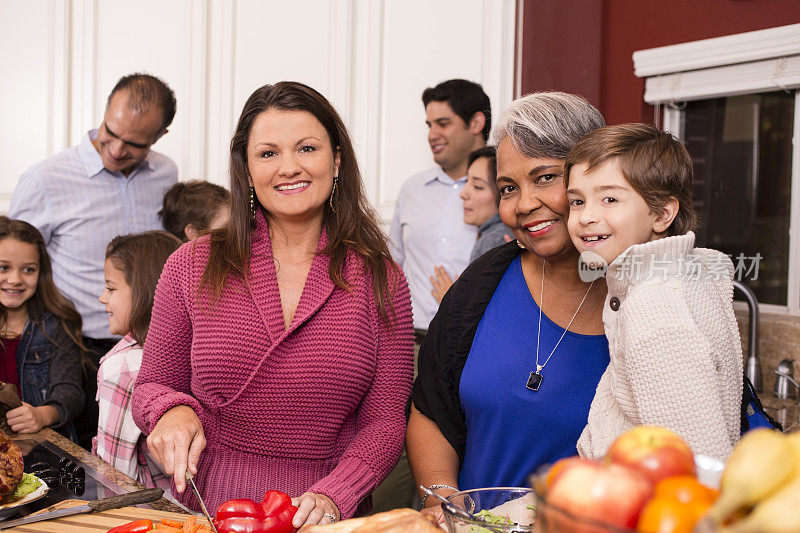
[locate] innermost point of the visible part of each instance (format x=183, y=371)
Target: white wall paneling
x=371, y=58
x=31, y=115
x=81, y=53
x=422, y=44
x=220, y=115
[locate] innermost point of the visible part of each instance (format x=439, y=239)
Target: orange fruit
x=685, y=489
x=667, y=515
x=700, y=508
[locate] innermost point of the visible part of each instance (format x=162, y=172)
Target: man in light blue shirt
x=110, y=184
x=428, y=229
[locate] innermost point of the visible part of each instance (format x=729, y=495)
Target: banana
x=794, y=440
x=779, y=513
x=761, y=464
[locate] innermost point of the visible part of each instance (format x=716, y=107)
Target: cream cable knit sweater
x=676, y=356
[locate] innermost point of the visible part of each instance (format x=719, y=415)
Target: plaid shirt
x=119, y=441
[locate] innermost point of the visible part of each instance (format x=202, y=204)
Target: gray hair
x=546, y=124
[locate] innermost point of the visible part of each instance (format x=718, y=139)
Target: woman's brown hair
x=141, y=257
x=653, y=162
x=193, y=202
x=352, y=223
x=47, y=297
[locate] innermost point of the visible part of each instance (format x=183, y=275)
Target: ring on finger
x=330, y=517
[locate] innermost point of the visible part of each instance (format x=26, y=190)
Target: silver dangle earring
x=333, y=193
x=252, y=202
x=521, y=245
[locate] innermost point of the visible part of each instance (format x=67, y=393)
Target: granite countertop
x=99, y=465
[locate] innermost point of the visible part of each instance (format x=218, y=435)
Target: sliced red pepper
x=275, y=501
x=137, y=526
x=240, y=507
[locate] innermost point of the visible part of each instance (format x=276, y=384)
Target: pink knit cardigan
x=318, y=406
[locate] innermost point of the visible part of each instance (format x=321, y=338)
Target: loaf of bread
x=396, y=521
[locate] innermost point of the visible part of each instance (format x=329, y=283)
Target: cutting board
x=95, y=522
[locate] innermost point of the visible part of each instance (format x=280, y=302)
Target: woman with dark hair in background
x=192, y=208
x=481, y=199
x=512, y=359
x=280, y=349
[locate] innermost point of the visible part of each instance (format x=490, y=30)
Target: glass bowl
x=553, y=519
x=495, y=500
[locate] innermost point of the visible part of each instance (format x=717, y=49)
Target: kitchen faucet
x=789, y=379
x=752, y=367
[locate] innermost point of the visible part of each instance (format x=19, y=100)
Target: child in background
x=676, y=356
x=194, y=207
x=133, y=266
x=40, y=334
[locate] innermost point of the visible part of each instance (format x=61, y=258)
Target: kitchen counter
x=94, y=462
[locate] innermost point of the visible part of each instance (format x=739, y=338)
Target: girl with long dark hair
x=132, y=268
x=40, y=334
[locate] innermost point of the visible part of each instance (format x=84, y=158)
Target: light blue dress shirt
x=79, y=206
x=427, y=230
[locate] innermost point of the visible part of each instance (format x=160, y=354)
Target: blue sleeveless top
x=512, y=430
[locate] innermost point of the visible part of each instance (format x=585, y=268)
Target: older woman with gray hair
x=511, y=361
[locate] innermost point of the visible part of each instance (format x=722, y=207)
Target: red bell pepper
x=137, y=526
x=240, y=507
x=248, y=524
x=275, y=501
x=273, y=515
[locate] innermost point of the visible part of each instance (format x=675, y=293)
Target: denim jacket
x=49, y=368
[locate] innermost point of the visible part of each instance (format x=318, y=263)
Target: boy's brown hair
x=141, y=258
x=653, y=162
x=193, y=202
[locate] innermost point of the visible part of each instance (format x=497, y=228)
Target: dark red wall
x=586, y=46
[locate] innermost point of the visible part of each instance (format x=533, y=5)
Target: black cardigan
x=444, y=351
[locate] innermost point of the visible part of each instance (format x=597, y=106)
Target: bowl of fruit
x=649, y=481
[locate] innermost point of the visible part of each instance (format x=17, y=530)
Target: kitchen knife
x=114, y=502
x=200, y=499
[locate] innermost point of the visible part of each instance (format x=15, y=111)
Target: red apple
x=656, y=452
x=558, y=467
x=603, y=493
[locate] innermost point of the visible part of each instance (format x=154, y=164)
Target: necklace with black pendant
x=535, y=378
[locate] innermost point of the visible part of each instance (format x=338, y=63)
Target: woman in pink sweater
x=280, y=349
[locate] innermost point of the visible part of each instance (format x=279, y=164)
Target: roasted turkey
x=10, y=465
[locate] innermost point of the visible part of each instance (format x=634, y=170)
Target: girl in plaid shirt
x=132, y=268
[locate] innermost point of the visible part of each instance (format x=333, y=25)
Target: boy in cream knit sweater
x=676, y=358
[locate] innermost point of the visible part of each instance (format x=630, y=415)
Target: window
x=741, y=147
x=734, y=103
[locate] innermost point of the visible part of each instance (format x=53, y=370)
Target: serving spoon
x=463, y=513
